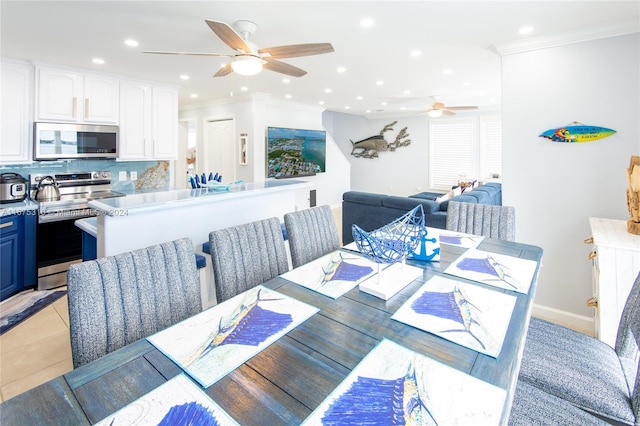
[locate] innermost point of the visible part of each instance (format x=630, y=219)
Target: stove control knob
x=105, y=175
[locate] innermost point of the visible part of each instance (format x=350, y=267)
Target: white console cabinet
x=17, y=100
x=148, y=122
x=615, y=264
x=71, y=96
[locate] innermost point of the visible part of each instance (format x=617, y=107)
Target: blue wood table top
x=286, y=381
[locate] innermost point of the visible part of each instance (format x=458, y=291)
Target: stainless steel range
x=59, y=241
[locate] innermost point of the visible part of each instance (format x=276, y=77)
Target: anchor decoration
x=428, y=248
x=371, y=146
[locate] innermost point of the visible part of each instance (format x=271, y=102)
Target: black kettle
x=48, y=189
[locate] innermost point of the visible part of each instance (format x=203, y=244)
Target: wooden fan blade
x=188, y=53
x=283, y=68
x=225, y=70
x=447, y=112
x=228, y=35
x=297, y=50
x=461, y=108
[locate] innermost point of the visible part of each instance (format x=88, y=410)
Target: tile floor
x=36, y=350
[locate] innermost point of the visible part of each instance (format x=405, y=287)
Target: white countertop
x=88, y=225
x=18, y=207
x=155, y=201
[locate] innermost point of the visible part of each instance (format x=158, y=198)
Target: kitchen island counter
x=25, y=206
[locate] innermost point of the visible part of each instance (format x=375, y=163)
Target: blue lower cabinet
x=89, y=247
x=17, y=254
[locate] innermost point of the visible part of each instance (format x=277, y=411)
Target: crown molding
x=619, y=28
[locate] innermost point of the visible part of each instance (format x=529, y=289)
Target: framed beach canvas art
x=333, y=274
x=467, y=314
x=178, y=401
x=394, y=385
x=498, y=270
x=213, y=343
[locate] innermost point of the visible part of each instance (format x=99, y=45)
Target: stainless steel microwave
x=58, y=141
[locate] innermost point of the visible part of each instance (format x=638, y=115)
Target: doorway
x=220, y=149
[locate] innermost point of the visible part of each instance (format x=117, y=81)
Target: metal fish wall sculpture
x=371, y=146
x=250, y=325
x=452, y=305
x=371, y=400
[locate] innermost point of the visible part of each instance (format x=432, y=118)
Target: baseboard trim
x=576, y=322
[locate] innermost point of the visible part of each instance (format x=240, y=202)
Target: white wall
x=400, y=172
x=252, y=115
x=556, y=187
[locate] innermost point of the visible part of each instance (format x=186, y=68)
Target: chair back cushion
x=482, y=219
x=312, y=234
x=247, y=255
x=117, y=300
x=628, y=345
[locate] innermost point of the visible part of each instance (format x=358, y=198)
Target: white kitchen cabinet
x=16, y=94
x=615, y=265
x=148, y=122
x=72, y=96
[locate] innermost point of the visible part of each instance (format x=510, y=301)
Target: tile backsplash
x=150, y=174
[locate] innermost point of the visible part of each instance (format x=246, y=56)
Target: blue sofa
x=371, y=211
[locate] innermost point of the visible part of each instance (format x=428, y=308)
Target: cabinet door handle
x=6, y=225
x=589, y=240
x=86, y=108
x=592, y=254
x=75, y=106
x=592, y=302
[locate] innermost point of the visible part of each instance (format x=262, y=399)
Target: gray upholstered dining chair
x=312, y=233
x=116, y=300
x=247, y=255
x=482, y=219
x=532, y=406
x=585, y=371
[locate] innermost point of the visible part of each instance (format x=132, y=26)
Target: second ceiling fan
x=438, y=108
x=248, y=59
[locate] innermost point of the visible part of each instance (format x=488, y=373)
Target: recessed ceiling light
x=415, y=53
x=244, y=88
x=359, y=98
x=466, y=83
x=194, y=95
x=98, y=61
x=321, y=103
x=184, y=77
x=131, y=42
x=407, y=92
x=366, y=22
x=368, y=111
x=286, y=80
x=383, y=103
x=403, y=108
x=347, y=107
x=327, y=90
x=525, y=30
x=341, y=69
x=447, y=71
x=288, y=96
x=379, y=83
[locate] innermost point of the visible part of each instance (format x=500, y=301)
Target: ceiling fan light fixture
x=434, y=113
x=246, y=64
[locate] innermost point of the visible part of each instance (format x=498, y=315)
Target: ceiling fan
x=248, y=59
x=438, y=108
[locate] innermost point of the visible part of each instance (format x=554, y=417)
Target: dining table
x=286, y=381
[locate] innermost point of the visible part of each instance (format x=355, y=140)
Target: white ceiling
x=460, y=35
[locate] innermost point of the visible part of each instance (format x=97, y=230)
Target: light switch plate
x=122, y=175
x=134, y=175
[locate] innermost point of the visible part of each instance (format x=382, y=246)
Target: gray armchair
x=482, y=219
x=312, y=233
x=247, y=255
x=117, y=300
x=586, y=372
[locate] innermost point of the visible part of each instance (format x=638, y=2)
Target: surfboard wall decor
x=577, y=132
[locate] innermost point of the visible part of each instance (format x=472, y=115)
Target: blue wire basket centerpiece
x=394, y=241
